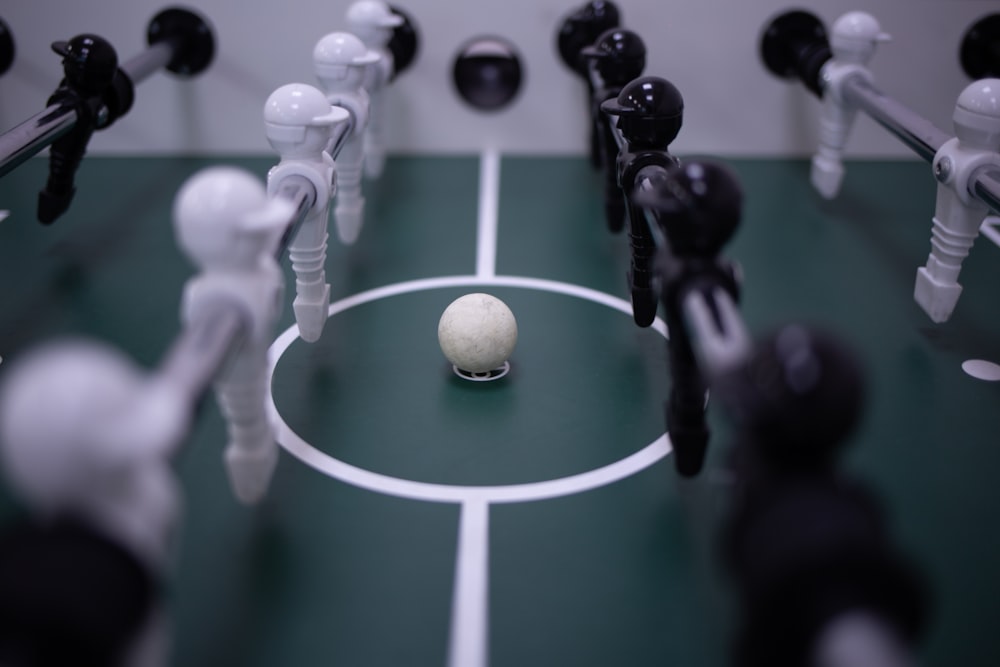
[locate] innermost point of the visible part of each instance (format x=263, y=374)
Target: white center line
x=489, y=202
x=470, y=597
x=4, y=215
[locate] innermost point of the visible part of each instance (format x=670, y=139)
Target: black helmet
x=582, y=28
x=648, y=96
x=650, y=111
x=699, y=205
x=89, y=62
x=620, y=55
x=801, y=394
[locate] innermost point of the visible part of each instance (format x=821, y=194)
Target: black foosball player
x=616, y=58
x=649, y=111
x=71, y=595
x=99, y=92
x=698, y=207
x=579, y=30
x=818, y=580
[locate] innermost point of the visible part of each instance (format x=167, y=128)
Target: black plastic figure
x=69, y=595
x=809, y=554
x=98, y=92
x=616, y=58
x=94, y=92
x=649, y=111
x=487, y=73
x=796, y=400
x=698, y=208
x=579, y=30
x=808, y=549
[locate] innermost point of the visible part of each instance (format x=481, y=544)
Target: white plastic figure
x=957, y=215
x=83, y=430
x=340, y=60
x=853, y=39
x=230, y=229
x=299, y=123
x=85, y=433
x=372, y=21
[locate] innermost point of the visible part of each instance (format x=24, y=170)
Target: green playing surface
x=325, y=572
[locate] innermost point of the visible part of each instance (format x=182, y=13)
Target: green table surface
x=326, y=573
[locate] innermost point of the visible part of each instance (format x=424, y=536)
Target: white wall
x=707, y=48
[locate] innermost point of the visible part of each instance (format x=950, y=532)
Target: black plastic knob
x=190, y=35
x=404, y=43
x=795, y=45
x=980, y=50
x=6, y=47
x=487, y=73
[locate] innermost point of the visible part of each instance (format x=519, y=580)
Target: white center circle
x=449, y=493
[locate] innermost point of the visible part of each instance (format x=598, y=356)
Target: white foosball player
x=230, y=229
x=854, y=37
x=341, y=61
x=86, y=441
x=957, y=215
x=372, y=21
x=299, y=123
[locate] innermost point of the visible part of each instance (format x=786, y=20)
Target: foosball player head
x=582, y=28
x=650, y=111
x=618, y=55
x=797, y=399
x=698, y=204
x=89, y=63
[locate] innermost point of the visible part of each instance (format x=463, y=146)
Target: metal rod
x=922, y=136
x=157, y=56
x=300, y=191
x=202, y=348
x=342, y=134
x=38, y=132
x=918, y=133
x=30, y=137
x=985, y=186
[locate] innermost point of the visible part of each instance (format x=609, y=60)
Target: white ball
x=477, y=332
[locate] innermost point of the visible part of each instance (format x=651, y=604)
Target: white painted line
x=991, y=229
x=489, y=204
x=448, y=493
x=404, y=488
x=982, y=370
x=423, y=284
x=469, y=645
x=4, y=215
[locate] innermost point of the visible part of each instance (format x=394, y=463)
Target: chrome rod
x=151, y=60
x=922, y=136
x=33, y=135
